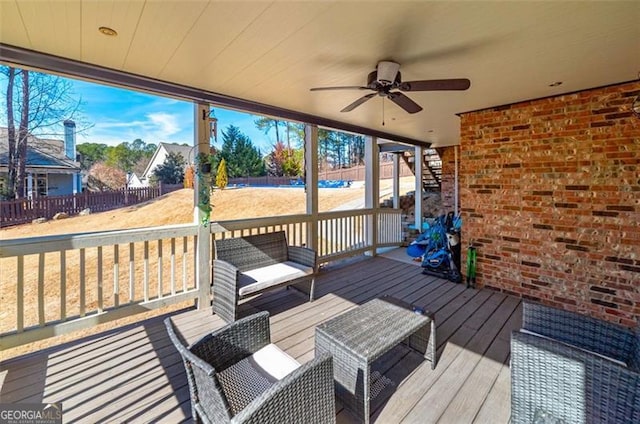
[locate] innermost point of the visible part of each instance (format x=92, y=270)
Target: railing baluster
x=146, y=271
x=20, y=295
x=333, y=232
x=354, y=229
x=195, y=257
x=82, y=282
x=132, y=270
x=100, y=294
x=63, y=285
x=116, y=275
x=160, y=288
x=173, y=265
x=184, y=264
x=41, y=319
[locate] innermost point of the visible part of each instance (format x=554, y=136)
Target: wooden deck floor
x=133, y=374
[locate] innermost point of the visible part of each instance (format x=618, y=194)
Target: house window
x=39, y=185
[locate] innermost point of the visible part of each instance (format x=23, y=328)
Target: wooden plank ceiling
x=273, y=52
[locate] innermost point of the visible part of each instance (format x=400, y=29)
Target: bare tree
x=43, y=102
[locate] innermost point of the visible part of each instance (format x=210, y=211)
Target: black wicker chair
x=228, y=386
x=570, y=368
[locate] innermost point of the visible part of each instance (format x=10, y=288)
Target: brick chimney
x=70, y=139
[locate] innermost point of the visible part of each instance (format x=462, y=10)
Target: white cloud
x=156, y=127
x=107, y=125
x=165, y=124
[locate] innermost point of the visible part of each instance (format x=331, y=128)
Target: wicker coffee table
x=360, y=336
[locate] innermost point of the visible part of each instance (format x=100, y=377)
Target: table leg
x=432, y=344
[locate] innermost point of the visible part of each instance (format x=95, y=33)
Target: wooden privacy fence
x=355, y=173
x=20, y=211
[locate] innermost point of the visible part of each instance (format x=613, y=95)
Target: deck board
x=133, y=373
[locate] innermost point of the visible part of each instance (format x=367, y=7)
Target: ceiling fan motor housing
x=374, y=82
x=387, y=72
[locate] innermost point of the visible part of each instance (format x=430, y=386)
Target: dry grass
x=173, y=208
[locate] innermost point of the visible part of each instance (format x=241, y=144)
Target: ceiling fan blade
x=435, y=85
x=358, y=102
x=348, y=87
x=404, y=102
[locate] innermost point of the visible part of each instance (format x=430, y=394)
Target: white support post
x=419, y=169
x=372, y=188
x=396, y=180
x=29, y=185
x=311, y=183
x=203, y=244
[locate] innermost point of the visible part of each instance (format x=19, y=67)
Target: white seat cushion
x=245, y=380
x=258, y=279
x=273, y=362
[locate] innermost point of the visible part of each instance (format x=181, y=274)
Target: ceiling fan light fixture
x=109, y=32
x=387, y=72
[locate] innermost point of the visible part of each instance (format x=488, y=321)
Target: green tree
x=294, y=131
x=171, y=171
x=130, y=157
x=242, y=158
x=284, y=161
x=221, y=175
x=338, y=149
x=91, y=153
x=120, y=157
x=267, y=124
x=293, y=165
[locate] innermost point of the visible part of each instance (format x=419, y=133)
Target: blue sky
x=121, y=115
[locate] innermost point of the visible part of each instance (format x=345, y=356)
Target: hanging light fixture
x=213, y=123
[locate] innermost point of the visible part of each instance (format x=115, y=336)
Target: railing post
x=372, y=188
x=200, y=215
x=418, y=171
x=311, y=183
x=396, y=180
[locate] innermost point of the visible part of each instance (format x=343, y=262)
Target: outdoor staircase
x=431, y=168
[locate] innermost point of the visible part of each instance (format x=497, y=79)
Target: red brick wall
x=550, y=192
x=447, y=155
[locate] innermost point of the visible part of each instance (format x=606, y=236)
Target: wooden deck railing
x=67, y=282
x=92, y=278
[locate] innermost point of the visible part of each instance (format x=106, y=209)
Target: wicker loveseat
x=236, y=375
x=569, y=368
x=246, y=266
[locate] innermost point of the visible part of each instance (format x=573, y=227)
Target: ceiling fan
x=387, y=77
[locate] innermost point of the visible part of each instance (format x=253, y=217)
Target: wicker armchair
x=236, y=376
x=569, y=368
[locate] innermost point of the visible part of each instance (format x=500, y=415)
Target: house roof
x=265, y=56
x=185, y=151
x=41, y=153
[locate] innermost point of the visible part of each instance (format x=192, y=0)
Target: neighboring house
x=161, y=153
x=51, y=167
